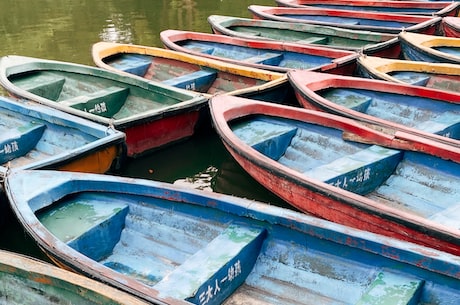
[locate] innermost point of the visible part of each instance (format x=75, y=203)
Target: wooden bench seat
x=314, y=40
x=360, y=172
x=18, y=141
x=106, y=102
x=391, y=288
x=349, y=98
x=82, y=226
x=447, y=124
x=265, y=58
x=197, y=81
x=222, y=266
x=134, y=64
x=413, y=78
x=268, y=138
x=46, y=86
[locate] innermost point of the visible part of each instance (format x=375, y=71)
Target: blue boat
x=173, y=245
x=33, y=136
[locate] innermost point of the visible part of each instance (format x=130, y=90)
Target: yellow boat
x=443, y=76
x=430, y=48
x=182, y=70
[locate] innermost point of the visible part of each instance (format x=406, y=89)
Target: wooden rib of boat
x=270, y=55
x=372, y=43
x=440, y=76
x=355, y=20
x=33, y=136
x=396, y=108
x=430, y=48
x=178, y=245
x=25, y=280
x=432, y=8
x=191, y=72
x=450, y=26
x=149, y=113
x=309, y=159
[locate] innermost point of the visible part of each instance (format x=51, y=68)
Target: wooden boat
x=270, y=55
x=25, y=280
x=431, y=8
x=397, y=108
x=450, y=26
x=33, y=136
x=219, y=249
x=428, y=48
x=431, y=75
x=309, y=159
x=372, y=43
x=150, y=114
x=190, y=72
x=355, y=20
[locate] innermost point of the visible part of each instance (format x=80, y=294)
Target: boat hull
x=376, y=22
x=203, y=228
x=364, y=100
x=338, y=199
x=65, y=142
x=431, y=75
x=194, y=73
x=430, y=8
x=379, y=44
x=428, y=48
x=28, y=280
x=140, y=108
x=450, y=27
x=269, y=55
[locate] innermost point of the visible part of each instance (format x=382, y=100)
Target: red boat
x=401, y=110
x=269, y=55
x=370, y=21
x=427, y=8
x=450, y=27
x=310, y=159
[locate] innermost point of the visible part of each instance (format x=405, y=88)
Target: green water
x=65, y=30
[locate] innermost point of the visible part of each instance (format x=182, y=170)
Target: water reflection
x=117, y=30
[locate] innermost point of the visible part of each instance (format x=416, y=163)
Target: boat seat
x=268, y=138
x=49, y=87
x=82, y=226
x=351, y=171
x=197, y=81
x=413, y=78
x=106, y=102
x=314, y=40
x=272, y=59
x=205, y=49
x=221, y=266
x=16, y=142
x=349, y=99
x=446, y=124
x=134, y=64
x=392, y=288
x=449, y=217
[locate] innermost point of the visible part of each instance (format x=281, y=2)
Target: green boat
x=378, y=44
